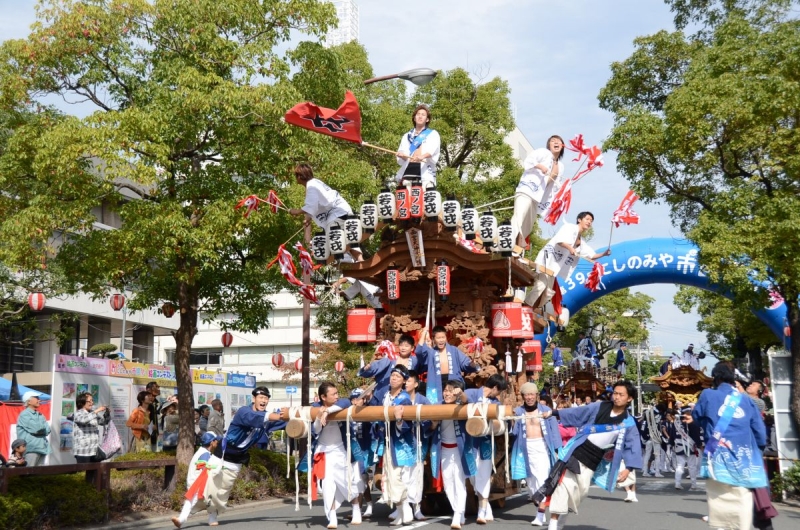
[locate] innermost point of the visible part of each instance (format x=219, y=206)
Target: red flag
x=286, y=263
x=274, y=202
x=557, y=297
x=386, y=349
x=593, y=282
x=309, y=293
x=306, y=261
x=576, y=145
x=560, y=204
x=344, y=122
x=595, y=160
x=625, y=214
x=250, y=203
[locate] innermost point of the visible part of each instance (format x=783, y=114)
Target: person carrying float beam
x=362, y=456
x=482, y=445
x=560, y=256
x=443, y=362
x=417, y=487
x=381, y=369
x=536, y=444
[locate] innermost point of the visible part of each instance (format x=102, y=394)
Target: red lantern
x=339, y=366
x=417, y=201
x=787, y=331
x=525, y=332
x=117, y=301
x=277, y=360
x=443, y=280
x=533, y=351
x=36, y=301
x=506, y=319
x=168, y=310
x=403, y=201
x=393, y=285
x=227, y=339
x=298, y=365
x=361, y=325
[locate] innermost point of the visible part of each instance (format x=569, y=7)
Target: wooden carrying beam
x=427, y=412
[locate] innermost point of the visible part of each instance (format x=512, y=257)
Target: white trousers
x=538, y=463
x=357, y=484
x=455, y=482
x=652, y=448
x=569, y=493
x=335, y=489
x=219, y=489
x=415, y=485
x=542, y=284
x=526, y=211
x=482, y=481
x=729, y=507
x=682, y=461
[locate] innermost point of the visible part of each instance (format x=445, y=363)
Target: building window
x=16, y=354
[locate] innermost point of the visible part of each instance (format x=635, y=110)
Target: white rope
x=349, y=451
x=501, y=416
x=387, y=453
x=495, y=202
x=501, y=209
x=292, y=413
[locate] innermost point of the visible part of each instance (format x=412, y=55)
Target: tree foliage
x=717, y=143
x=617, y=316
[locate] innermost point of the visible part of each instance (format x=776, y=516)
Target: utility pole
x=306, y=376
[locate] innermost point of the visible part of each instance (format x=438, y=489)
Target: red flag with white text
x=625, y=214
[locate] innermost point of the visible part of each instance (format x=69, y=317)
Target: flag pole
x=610, y=233
x=365, y=144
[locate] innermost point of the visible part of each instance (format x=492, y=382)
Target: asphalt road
x=660, y=507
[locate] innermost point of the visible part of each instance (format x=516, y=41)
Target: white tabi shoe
x=487, y=513
x=212, y=519
x=397, y=522
x=356, y=515
x=418, y=515
x=481, y=516
x=368, y=511
x=333, y=521
x=408, y=513
x=458, y=518
x=395, y=514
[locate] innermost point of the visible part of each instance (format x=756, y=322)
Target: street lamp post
x=418, y=76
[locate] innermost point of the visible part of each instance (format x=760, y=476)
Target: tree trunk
x=793, y=315
x=188, y=302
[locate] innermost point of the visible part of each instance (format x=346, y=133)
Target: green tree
x=617, y=316
x=732, y=331
x=709, y=125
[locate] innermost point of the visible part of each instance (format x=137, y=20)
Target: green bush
x=59, y=500
x=787, y=482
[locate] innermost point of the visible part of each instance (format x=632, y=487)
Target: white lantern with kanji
x=117, y=301
x=339, y=366
x=488, y=229
x=227, y=339
x=337, y=241
x=433, y=204
x=352, y=231
x=369, y=217
x=469, y=221
x=277, y=360
x=319, y=248
x=36, y=301
x=387, y=208
x=505, y=239
x=451, y=213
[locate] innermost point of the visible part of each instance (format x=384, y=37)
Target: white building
x=347, y=14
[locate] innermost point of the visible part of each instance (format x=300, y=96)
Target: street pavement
x=660, y=507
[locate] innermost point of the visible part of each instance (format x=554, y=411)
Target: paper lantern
x=469, y=221
x=451, y=214
x=417, y=201
x=787, y=331
x=505, y=239
x=339, y=366
x=319, y=248
x=227, y=339
x=168, y=310
x=393, y=285
x=352, y=231
x=36, y=301
x=277, y=360
x=443, y=280
x=362, y=325
x=506, y=319
x=117, y=301
x=525, y=331
x=387, y=208
x=402, y=197
x=433, y=204
x=298, y=365
x=369, y=217
x=533, y=348
x=337, y=241
x=487, y=228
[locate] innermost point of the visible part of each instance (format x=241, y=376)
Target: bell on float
x=361, y=325
x=369, y=217
x=443, y=280
x=469, y=220
x=319, y=248
x=337, y=241
x=352, y=231
x=433, y=204
x=387, y=208
x=505, y=240
x=488, y=229
x=451, y=213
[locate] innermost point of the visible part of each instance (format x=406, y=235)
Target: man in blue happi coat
x=601, y=426
x=443, y=362
x=416, y=486
x=381, y=369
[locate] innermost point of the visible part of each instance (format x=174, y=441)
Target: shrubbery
x=68, y=500
x=787, y=482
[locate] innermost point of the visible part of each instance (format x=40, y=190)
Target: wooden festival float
x=683, y=384
x=581, y=380
x=442, y=263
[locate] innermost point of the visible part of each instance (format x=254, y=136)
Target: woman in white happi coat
x=542, y=177
x=419, y=147
x=561, y=255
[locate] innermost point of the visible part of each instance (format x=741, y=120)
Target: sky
x=556, y=57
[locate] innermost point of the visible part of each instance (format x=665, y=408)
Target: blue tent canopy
x=5, y=390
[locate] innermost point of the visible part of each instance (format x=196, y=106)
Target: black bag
x=550, y=483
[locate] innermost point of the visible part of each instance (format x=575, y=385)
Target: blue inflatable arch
x=646, y=261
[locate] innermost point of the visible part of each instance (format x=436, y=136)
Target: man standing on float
x=418, y=153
